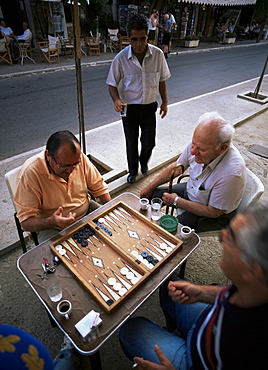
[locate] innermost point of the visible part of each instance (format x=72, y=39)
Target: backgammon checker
x=115, y=252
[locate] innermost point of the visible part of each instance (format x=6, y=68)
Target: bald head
x=211, y=137
x=214, y=128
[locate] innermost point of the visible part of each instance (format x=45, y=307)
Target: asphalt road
x=33, y=107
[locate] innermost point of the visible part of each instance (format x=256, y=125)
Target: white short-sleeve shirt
x=221, y=184
x=136, y=83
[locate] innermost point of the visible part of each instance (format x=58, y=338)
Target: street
x=33, y=107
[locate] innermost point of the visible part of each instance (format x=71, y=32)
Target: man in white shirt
x=217, y=177
x=27, y=34
x=136, y=77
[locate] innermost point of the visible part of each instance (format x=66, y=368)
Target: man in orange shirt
x=52, y=189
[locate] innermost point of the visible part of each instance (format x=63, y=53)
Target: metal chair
x=5, y=54
x=253, y=191
x=25, y=51
x=11, y=181
x=49, y=50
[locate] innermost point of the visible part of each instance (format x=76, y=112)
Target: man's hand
x=168, y=199
x=163, y=110
x=118, y=105
x=146, y=192
x=148, y=365
x=61, y=222
x=184, y=292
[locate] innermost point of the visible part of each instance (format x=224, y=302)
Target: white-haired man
x=217, y=177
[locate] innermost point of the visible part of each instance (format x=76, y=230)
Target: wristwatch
x=175, y=201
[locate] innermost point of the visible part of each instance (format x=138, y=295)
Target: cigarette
x=95, y=321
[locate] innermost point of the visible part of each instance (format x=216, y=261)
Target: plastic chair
x=253, y=191
x=5, y=54
x=11, y=181
x=49, y=50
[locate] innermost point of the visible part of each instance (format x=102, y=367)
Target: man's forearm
x=113, y=93
x=199, y=209
x=33, y=224
x=163, y=92
x=105, y=198
x=164, y=176
x=209, y=293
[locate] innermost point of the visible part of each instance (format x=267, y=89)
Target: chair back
x=113, y=34
x=11, y=181
x=52, y=42
x=3, y=48
x=253, y=191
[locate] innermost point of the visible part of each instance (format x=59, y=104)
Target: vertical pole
x=77, y=49
x=256, y=92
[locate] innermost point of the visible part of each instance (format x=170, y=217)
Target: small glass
x=156, y=204
x=123, y=113
x=52, y=286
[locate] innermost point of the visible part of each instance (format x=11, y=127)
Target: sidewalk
x=7, y=71
x=182, y=116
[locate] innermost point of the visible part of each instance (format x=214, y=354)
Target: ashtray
x=169, y=223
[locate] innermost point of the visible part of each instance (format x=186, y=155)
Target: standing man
x=167, y=28
x=173, y=23
x=138, y=73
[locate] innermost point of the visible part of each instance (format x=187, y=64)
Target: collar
x=132, y=56
x=217, y=160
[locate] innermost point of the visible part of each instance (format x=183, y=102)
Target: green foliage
x=230, y=35
x=191, y=37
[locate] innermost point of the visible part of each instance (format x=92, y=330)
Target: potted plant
x=230, y=37
x=191, y=41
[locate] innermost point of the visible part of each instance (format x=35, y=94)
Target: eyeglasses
x=65, y=166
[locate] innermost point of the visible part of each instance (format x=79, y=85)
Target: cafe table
x=29, y=264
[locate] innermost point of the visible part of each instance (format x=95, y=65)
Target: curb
x=109, y=61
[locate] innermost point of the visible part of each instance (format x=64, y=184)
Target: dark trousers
x=198, y=223
x=139, y=116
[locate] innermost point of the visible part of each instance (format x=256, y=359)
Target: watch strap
x=175, y=201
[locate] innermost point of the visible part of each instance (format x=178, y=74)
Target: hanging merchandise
x=192, y=21
x=184, y=23
x=123, y=18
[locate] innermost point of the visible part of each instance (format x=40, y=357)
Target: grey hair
x=226, y=129
x=253, y=237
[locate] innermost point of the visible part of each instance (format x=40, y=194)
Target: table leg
x=182, y=270
x=95, y=361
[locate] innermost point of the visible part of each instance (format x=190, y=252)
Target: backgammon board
x=115, y=252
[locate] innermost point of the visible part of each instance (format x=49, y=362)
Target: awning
x=221, y=2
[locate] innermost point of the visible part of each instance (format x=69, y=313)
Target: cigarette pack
x=88, y=325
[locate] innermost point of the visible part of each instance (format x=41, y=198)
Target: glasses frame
x=65, y=166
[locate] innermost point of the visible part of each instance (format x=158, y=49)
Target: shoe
x=144, y=170
x=66, y=344
x=131, y=179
